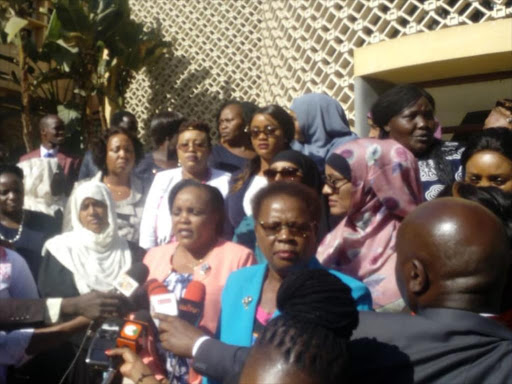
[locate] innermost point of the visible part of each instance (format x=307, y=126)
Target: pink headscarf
x=386, y=187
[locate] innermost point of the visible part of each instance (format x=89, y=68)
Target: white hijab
x=38, y=175
x=96, y=260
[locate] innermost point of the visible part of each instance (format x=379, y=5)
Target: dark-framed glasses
x=268, y=131
x=273, y=228
x=334, y=183
x=195, y=145
x=286, y=173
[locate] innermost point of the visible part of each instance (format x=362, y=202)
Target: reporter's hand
x=133, y=367
x=94, y=305
x=176, y=335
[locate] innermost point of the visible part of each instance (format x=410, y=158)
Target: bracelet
x=142, y=377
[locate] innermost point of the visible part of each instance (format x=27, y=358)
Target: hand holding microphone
x=178, y=333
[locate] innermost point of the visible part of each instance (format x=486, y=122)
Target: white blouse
x=156, y=225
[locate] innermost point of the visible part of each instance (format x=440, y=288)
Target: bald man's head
x=52, y=131
x=452, y=253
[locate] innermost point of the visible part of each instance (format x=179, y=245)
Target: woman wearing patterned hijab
x=380, y=189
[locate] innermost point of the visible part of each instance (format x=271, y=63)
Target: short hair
x=318, y=316
x=283, y=118
x=492, y=139
x=248, y=109
x=395, y=100
x=118, y=117
x=293, y=190
x=196, y=125
x=99, y=147
x=494, y=199
x=12, y=169
x=214, y=197
x=164, y=125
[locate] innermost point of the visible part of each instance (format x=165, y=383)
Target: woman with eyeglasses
x=286, y=216
x=193, y=148
x=271, y=130
x=371, y=185
x=291, y=166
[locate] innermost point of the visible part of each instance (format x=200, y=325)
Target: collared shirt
x=48, y=152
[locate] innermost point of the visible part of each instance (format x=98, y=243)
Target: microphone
x=130, y=333
x=191, y=305
x=128, y=282
x=161, y=300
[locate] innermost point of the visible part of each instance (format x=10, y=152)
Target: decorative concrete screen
x=270, y=51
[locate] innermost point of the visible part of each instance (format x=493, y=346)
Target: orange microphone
x=134, y=332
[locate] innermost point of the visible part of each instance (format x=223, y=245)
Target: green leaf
x=13, y=27
x=53, y=32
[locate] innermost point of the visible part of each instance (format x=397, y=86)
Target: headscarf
x=96, y=260
x=311, y=175
x=385, y=188
x=323, y=124
x=38, y=175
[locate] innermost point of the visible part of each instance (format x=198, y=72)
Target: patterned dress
x=177, y=367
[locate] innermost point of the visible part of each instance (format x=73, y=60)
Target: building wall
x=270, y=51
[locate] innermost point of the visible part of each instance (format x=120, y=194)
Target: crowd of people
x=324, y=257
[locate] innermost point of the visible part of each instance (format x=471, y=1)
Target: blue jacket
x=245, y=285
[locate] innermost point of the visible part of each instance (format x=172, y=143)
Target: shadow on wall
x=171, y=90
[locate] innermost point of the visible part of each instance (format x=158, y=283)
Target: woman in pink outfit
x=371, y=185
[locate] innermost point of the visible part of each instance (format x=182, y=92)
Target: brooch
x=246, y=301
x=204, y=268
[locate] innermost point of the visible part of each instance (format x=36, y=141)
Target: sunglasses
x=287, y=173
x=268, y=131
x=295, y=229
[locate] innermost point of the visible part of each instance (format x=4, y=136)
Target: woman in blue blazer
x=285, y=216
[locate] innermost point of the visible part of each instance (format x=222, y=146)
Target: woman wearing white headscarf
x=89, y=257
x=92, y=255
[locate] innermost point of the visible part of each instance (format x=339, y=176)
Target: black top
x=146, y=169
x=223, y=159
x=37, y=228
x=55, y=280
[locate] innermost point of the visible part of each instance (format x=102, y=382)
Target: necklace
x=18, y=235
x=117, y=193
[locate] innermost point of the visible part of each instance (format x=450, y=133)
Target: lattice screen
x=270, y=51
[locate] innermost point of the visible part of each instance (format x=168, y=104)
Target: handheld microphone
x=191, y=305
x=161, y=300
x=127, y=283
x=130, y=333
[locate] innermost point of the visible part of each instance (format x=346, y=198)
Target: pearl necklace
x=18, y=235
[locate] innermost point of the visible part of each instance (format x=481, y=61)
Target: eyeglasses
x=335, y=184
x=186, y=145
x=268, y=131
x=296, y=229
x=287, y=173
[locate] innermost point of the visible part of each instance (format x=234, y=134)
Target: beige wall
x=270, y=51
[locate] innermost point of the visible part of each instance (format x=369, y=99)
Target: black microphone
x=129, y=333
